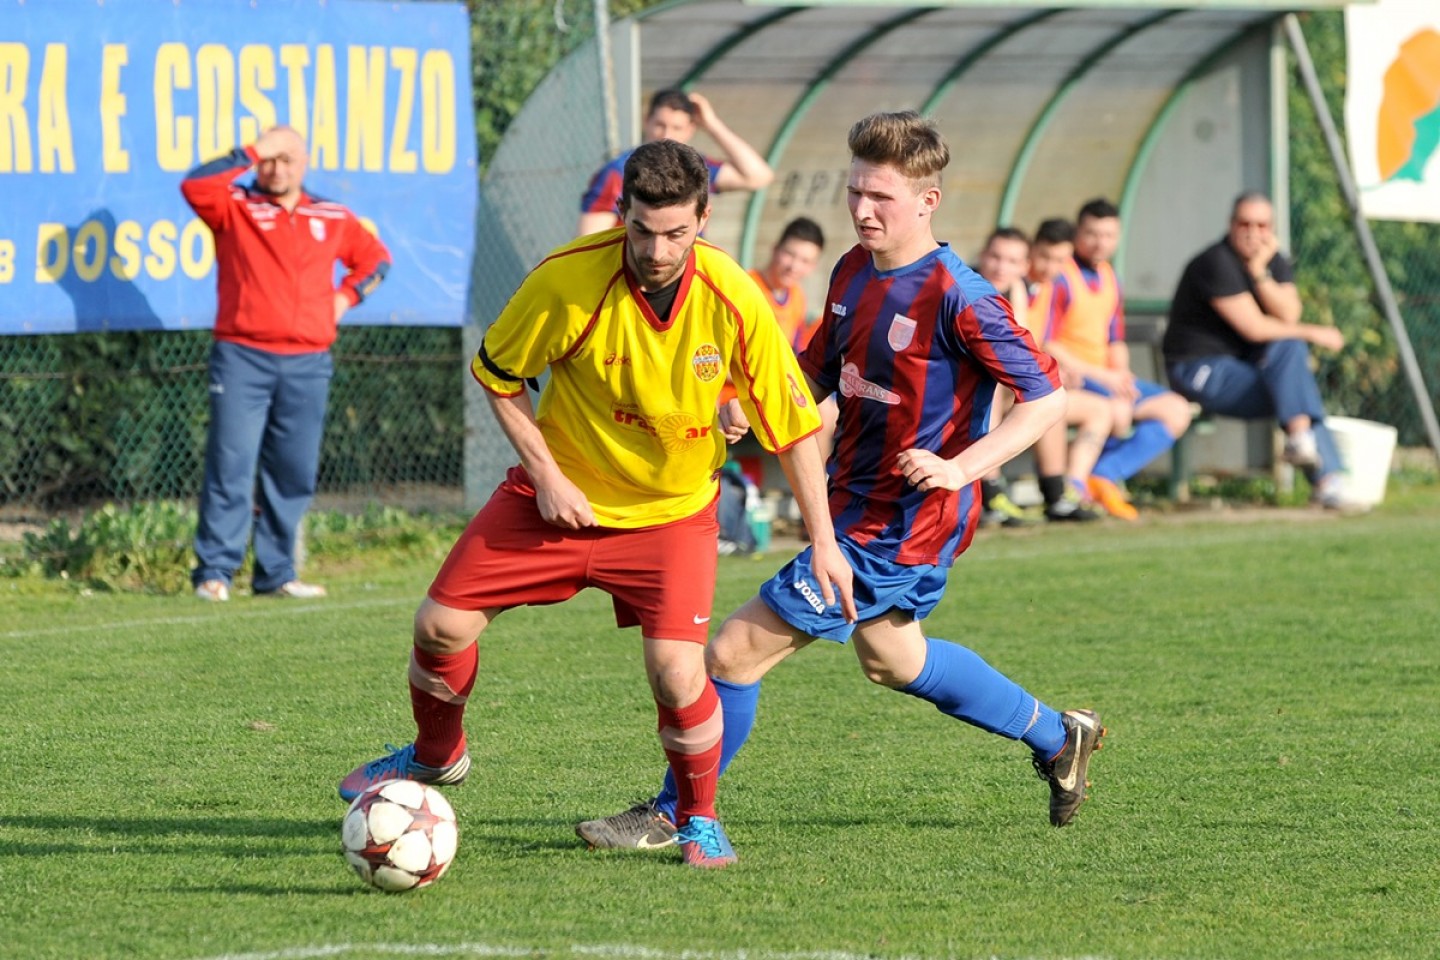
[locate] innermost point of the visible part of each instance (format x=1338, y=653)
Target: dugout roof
x=1169, y=109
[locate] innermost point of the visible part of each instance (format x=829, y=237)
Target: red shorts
x=662, y=578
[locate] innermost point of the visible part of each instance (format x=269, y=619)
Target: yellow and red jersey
x=1086, y=313
x=629, y=409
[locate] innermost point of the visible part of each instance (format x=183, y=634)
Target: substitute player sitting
x=616, y=487
x=914, y=343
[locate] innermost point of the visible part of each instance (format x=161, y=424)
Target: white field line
x=606, y=951
x=282, y=608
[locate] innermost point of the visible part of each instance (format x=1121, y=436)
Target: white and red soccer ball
x=400, y=835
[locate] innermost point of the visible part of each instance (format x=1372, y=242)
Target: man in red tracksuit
x=276, y=247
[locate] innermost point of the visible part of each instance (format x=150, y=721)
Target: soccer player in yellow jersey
x=616, y=486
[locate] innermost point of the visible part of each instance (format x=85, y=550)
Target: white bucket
x=1366, y=449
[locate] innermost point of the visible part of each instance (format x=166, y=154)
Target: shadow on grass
x=230, y=836
x=350, y=889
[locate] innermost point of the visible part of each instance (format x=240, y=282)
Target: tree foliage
x=1366, y=378
x=515, y=43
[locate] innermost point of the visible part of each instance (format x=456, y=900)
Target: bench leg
x=1179, y=488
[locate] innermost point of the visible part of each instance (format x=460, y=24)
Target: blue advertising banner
x=105, y=106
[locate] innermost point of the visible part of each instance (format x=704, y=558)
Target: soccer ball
x=399, y=835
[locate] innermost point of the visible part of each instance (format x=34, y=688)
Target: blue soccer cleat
x=704, y=844
x=400, y=764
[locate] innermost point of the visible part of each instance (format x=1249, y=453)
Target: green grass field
x=1268, y=788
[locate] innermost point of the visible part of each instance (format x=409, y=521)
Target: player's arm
x=1273, y=313
x=1022, y=426
x=1117, y=356
x=1244, y=313
x=744, y=168
x=988, y=332
x=1117, y=360
x=804, y=466
x=559, y=500
x=366, y=262
x=207, y=187
x=597, y=204
x=595, y=222
x=531, y=333
x=805, y=470
x=1275, y=291
x=1118, y=380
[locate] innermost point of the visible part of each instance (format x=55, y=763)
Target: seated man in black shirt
x=1236, y=346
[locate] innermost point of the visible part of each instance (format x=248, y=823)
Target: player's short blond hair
x=906, y=141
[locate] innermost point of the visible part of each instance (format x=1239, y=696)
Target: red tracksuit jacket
x=276, y=269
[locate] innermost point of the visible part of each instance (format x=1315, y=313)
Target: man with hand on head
x=676, y=115
x=276, y=246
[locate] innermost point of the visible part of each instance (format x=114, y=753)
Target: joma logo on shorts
x=817, y=603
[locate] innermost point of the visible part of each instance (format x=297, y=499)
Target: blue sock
x=964, y=686
x=1128, y=457
x=738, y=704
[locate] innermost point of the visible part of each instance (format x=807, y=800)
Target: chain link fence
x=121, y=417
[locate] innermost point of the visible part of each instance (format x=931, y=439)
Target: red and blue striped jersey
x=603, y=194
x=915, y=355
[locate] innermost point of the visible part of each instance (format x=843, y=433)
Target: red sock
x=439, y=686
x=691, y=738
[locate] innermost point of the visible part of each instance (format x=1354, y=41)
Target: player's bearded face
x=658, y=240
x=1097, y=239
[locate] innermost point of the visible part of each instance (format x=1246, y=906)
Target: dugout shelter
x=1170, y=109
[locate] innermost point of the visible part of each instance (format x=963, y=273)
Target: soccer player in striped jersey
x=616, y=487
x=913, y=342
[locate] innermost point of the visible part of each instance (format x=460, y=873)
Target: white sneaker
x=1300, y=449
x=1331, y=494
x=215, y=591
x=298, y=590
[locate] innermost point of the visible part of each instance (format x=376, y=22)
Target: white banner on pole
x=1392, y=107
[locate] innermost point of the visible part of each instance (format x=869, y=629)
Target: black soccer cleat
x=642, y=827
x=1065, y=772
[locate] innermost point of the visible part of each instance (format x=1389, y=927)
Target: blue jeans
x=1280, y=386
x=267, y=411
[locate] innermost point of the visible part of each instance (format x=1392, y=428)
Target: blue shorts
x=1145, y=388
x=880, y=586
